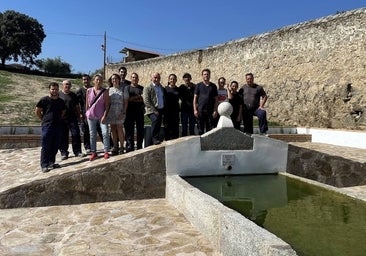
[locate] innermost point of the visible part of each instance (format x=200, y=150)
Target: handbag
x=90, y=112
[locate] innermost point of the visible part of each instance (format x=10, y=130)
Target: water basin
x=312, y=219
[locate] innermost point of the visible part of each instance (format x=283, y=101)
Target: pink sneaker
x=93, y=156
x=106, y=155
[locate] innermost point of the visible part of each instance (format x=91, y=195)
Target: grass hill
x=19, y=94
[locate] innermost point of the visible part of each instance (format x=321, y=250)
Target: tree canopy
x=54, y=66
x=21, y=37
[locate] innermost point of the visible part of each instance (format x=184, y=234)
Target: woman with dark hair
x=117, y=112
x=237, y=102
x=171, y=117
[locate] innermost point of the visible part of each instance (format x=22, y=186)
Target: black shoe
x=129, y=150
x=54, y=166
x=45, y=169
x=156, y=142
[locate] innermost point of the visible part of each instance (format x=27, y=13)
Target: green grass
x=4, y=87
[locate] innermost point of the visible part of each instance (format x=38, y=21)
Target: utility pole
x=104, y=49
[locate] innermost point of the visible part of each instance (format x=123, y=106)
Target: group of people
x=116, y=112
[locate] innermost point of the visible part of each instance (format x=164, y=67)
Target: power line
x=116, y=39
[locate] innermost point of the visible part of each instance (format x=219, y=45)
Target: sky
x=75, y=28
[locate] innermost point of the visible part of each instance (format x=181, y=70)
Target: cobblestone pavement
x=134, y=227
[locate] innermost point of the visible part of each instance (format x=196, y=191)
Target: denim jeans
x=50, y=144
x=84, y=127
x=93, y=124
x=248, y=120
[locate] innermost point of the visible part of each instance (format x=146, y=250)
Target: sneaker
x=106, y=155
x=45, y=169
x=93, y=156
x=264, y=134
x=87, y=151
x=79, y=155
x=64, y=157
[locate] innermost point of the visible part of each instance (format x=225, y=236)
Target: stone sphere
x=225, y=109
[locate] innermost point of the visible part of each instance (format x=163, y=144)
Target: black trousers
x=134, y=117
x=205, y=122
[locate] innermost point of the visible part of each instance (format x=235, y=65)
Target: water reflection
x=313, y=220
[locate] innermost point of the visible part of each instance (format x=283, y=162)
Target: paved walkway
x=135, y=227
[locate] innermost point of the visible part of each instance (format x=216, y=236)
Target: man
x=134, y=115
x=123, y=73
x=254, y=98
x=70, y=122
x=50, y=109
x=186, y=94
x=81, y=93
x=205, y=103
x=154, y=100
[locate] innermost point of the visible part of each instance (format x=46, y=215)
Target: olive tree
x=21, y=37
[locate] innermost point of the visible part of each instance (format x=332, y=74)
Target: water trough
x=227, y=155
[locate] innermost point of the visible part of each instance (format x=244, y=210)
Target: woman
x=97, y=108
x=171, y=117
x=117, y=112
x=237, y=102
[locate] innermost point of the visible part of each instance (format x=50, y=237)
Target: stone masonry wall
x=140, y=176
x=328, y=169
x=313, y=72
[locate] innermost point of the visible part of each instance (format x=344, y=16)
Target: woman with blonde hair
x=97, y=107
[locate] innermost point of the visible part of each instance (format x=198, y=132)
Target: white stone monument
x=225, y=109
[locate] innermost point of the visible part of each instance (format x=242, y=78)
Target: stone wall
x=328, y=169
x=140, y=176
x=313, y=72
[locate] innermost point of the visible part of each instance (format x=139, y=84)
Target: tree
x=21, y=37
x=54, y=66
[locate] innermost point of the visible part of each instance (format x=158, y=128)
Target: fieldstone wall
x=313, y=72
x=141, y=176
x=328, y=169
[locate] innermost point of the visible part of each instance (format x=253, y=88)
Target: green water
x=313, y=220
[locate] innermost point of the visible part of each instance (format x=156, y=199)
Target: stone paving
x=134, y=227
